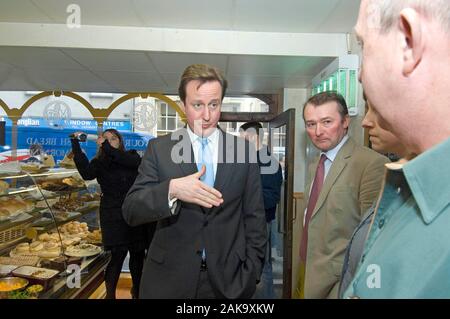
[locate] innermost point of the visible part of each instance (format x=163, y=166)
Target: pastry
x=48, y=161
x=75, y=240
x=36, y=246
x=22, y=248
x=95, y=237
x=50, y=250
x=68, y=161
x=70, y=181
x=53, y=185
x=67, y=242
x=44, y=237
x=51, y=246
x=54, y=237
x=15, y=205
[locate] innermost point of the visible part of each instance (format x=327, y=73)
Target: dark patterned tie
x=315, y=192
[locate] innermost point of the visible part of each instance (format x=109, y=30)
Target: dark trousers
x=114, y=269
x=204, y=288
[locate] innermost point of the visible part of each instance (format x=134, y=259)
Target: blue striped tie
x=205, y=158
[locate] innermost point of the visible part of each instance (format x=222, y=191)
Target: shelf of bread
x=48, y=254
x=31, y=206
x=51, y=244
x=58, y=218
x=11, y=185
x=43, y=227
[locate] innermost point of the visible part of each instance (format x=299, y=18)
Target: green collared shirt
x=407, y=252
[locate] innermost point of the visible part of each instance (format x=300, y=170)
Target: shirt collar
x=331, y=154
x=212, y=138
x=428, y=178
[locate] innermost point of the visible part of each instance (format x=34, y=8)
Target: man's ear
x=346, y=121
x=413, y=39
x=183, y=108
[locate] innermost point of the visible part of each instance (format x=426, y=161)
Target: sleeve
x=272, y=188
x=88, y=170
x=129, y=159
x=147, y=199
x=255, y=219
x=371, y=182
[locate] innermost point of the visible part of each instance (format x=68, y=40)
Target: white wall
x=294, y=99
x=356, y=131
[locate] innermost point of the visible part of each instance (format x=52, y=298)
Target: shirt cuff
x=173, y=205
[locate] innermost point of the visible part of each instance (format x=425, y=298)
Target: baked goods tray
x=36, y=275
x=83, y=250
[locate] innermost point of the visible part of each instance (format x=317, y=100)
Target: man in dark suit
x=203, y=188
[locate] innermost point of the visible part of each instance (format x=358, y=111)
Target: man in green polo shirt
x=406, y=75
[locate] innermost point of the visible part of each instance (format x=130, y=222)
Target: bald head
x=406, y=48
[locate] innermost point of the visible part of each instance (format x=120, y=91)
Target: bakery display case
x=49, y=235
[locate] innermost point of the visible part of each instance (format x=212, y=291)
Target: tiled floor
x=124, y=286
x=122, y=291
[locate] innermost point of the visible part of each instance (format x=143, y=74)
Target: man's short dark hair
x=203, y=73
x=325, y=97
x=255, y=126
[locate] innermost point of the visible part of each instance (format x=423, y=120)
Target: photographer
x=115, y=170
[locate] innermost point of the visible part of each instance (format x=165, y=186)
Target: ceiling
x=61, y=67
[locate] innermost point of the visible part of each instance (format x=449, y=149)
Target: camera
x=83, y=137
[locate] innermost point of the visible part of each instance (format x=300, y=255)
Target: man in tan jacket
x=343, y=185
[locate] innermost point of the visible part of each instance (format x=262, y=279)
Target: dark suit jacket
x=271, y=182
x=233, y=234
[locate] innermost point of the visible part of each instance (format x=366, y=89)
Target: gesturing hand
x=100, y=140
x=191, y=190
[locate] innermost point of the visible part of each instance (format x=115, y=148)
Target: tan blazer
x=350, y=188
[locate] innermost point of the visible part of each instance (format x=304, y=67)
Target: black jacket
x=271, y=180
x=116, y=174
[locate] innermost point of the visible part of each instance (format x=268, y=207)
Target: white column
x=294, y=99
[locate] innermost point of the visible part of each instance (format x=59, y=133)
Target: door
x=281, y=143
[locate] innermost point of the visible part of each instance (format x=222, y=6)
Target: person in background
x=405, y=73
x=381, y=139
x=271, y=180
x=343, y=185
x=115, y=170
x=384, y=142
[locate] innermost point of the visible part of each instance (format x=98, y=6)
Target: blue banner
x=56, y=141
x=75, y=124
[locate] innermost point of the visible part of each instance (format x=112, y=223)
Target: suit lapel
x=187, y=165
x=339, y=163
x=224, y=170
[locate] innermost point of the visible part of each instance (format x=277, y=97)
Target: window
x=168, y=119
x=243, y=104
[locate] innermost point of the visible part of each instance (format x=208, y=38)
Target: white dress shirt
x=213, y=144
